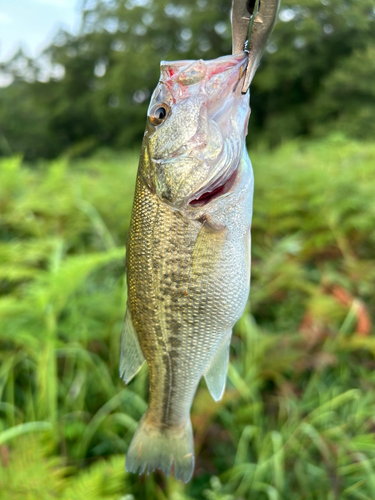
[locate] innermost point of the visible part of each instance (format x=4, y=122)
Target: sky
x=33, y=23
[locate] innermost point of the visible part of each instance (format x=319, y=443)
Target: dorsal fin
x=131, y=357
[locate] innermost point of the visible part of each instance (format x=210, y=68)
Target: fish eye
x=158, y=113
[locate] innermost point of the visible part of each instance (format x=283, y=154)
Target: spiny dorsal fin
x=131, y=357
x=216, y=373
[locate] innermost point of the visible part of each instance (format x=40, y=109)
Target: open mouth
x=208, y=195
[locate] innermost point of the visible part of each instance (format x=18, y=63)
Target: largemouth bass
x=188, y=252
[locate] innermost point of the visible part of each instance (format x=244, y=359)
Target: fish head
x=196, y=130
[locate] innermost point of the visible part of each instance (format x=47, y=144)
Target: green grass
x=298, y=417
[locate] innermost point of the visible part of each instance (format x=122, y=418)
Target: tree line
x=92, y=90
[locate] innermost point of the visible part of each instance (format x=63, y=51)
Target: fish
x=188, y=251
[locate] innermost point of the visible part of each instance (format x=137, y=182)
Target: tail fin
x=159, y=448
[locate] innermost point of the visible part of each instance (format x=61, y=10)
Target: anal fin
x=216, y=373
x=131, y=357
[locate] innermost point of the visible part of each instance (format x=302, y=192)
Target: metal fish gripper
x=252, y=25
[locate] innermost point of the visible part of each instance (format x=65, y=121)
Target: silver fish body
x=188, y=254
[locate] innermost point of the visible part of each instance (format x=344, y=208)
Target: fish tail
x=154, y=447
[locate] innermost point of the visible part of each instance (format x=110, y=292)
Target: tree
x=104, y=76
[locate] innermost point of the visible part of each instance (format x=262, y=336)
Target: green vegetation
x=317, y=74
x=297, y=419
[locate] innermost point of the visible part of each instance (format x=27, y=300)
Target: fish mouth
x=227, y=111
x=214, y=192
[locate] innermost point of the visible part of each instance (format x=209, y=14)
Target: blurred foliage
x=93, y=89
x=298, y=418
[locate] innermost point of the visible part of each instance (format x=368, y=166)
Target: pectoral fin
x=207, y=250
x=131, y=357
x=216, y=373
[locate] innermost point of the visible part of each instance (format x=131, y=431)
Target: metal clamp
x=252, y=25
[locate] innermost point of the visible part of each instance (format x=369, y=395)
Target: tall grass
x=298, y=417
